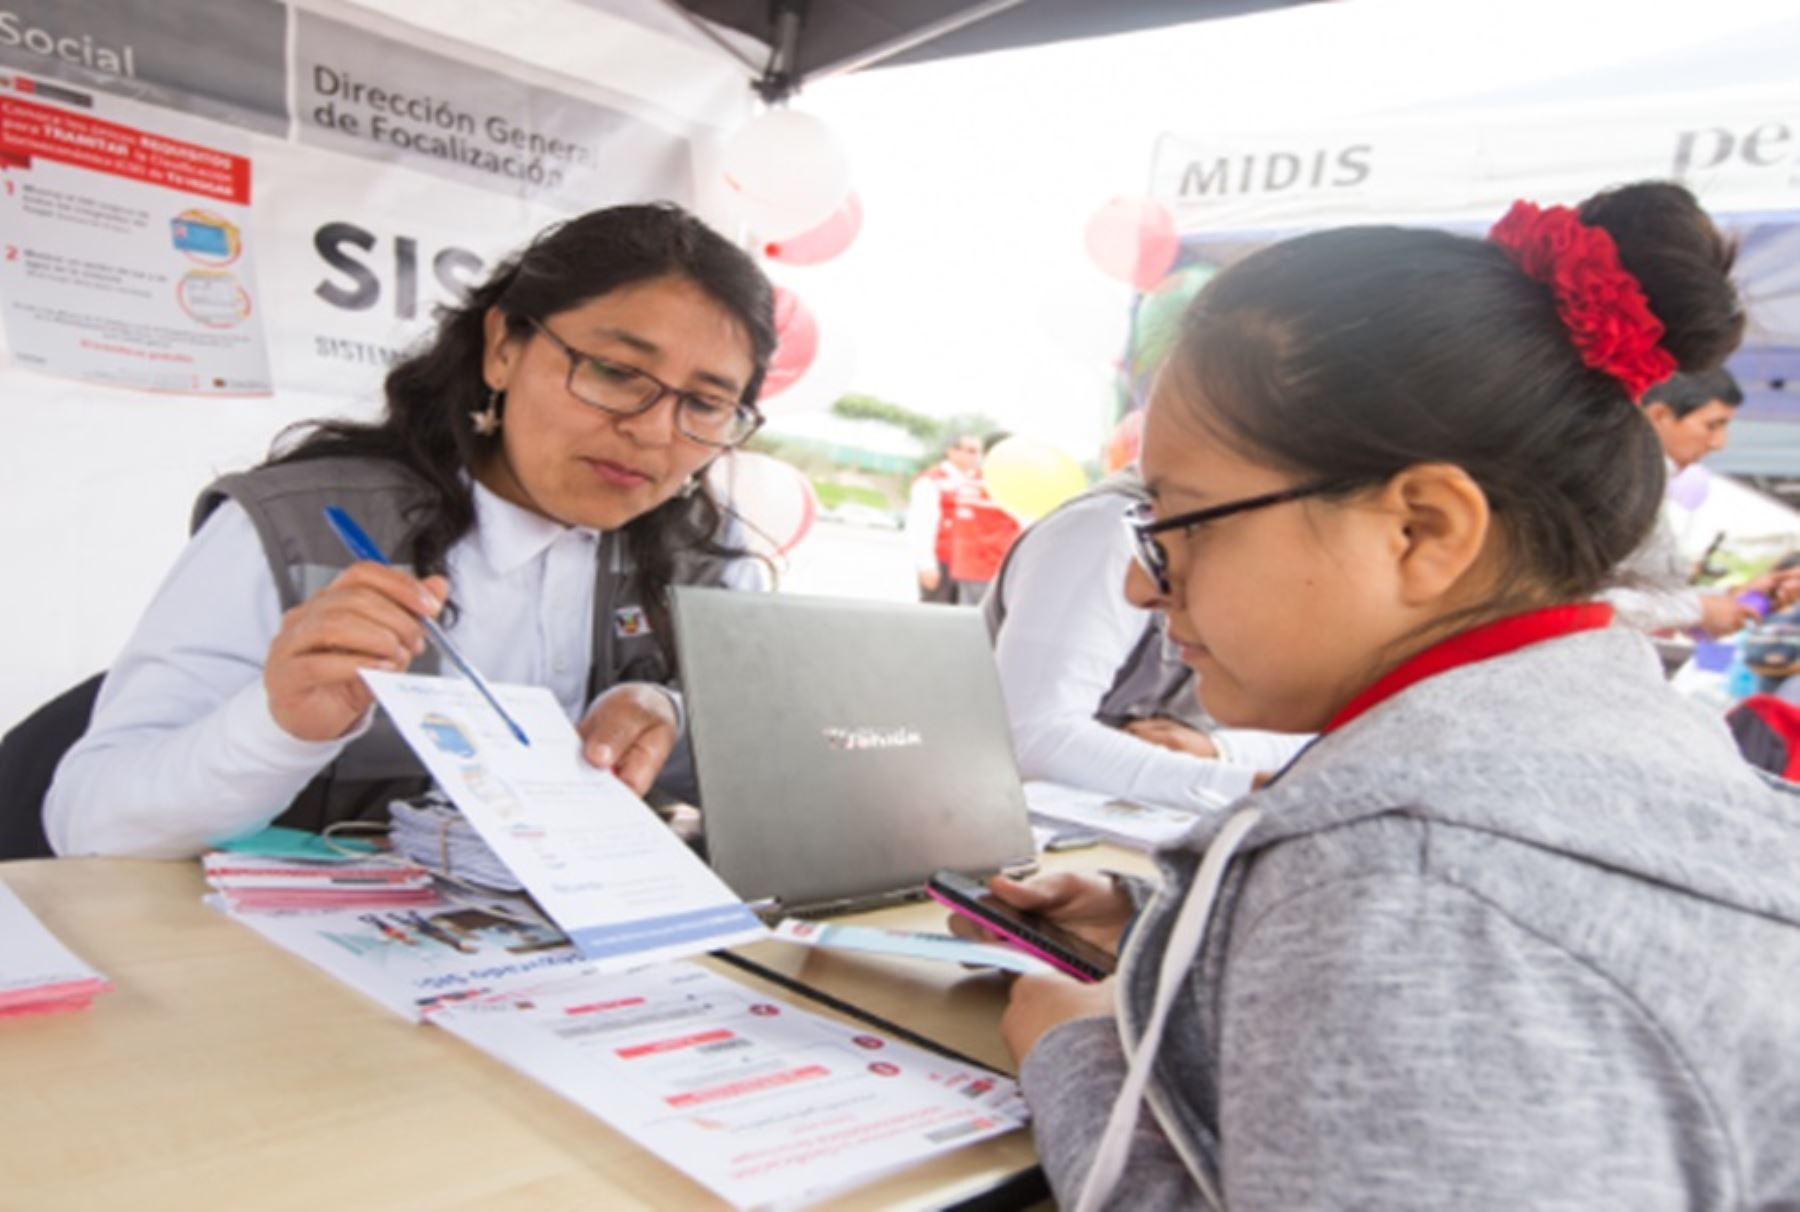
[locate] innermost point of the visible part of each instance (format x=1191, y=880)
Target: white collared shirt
x=183, y=751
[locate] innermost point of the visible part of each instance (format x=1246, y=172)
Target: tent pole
x=782, y=79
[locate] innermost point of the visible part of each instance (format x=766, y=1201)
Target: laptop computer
x=846, y=749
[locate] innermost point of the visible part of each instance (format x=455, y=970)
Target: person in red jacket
x=956, y=532
x=931, y=516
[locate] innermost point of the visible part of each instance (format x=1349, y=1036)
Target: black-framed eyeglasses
x=626, y=391
x=1142, y=522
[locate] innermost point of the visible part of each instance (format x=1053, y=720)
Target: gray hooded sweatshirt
x=1525, y=935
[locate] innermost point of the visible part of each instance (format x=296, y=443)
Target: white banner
x=289, y=261
x=1738, y=151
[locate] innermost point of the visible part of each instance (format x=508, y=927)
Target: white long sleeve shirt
x=1067, y=630
x=1658, y=595
x=183, y=752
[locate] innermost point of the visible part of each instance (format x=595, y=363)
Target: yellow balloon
x=1028, y=478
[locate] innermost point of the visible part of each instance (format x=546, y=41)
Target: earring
x=487, y=420
x=690, y=488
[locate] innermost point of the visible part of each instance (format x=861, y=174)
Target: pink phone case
x=1006, y=932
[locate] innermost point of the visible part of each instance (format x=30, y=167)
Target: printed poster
x=125, y=249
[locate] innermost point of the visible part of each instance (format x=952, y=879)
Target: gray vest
x=286, y=503
x=1150, y=682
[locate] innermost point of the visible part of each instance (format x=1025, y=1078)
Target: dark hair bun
x=1682, y=261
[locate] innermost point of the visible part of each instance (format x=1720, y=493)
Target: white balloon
x=787, y=172
x=773, y=500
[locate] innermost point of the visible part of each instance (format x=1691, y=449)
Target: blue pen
x=363, y=548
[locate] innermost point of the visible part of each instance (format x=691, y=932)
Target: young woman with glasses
x=536, y=479
x=1520, y=929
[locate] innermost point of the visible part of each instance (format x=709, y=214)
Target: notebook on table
x=846, y=749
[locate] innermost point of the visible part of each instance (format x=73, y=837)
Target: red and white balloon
x=1133, y=240
x=822, y=243
x=774, y=502
x=796, y=343
x=787, y=172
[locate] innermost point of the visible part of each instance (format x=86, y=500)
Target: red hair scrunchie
x=1601, y=304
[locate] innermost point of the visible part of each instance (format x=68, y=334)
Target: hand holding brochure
x=601, y=863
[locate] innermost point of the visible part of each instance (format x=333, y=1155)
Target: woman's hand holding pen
x=367, y=618
x=631, y=730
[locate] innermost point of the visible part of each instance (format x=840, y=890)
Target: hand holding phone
x=1063, y=949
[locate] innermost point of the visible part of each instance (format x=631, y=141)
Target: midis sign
x=1270, y=172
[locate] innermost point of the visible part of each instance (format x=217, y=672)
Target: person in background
x=1520, y=929
x=1691, y=414
x=536, y=477
x=982, y=533
x=1096, y=698
x=931, y=516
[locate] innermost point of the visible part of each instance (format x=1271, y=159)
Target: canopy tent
x=814, y=39
x=349, y=238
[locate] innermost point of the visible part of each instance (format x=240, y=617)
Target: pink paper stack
x=38, y=975
x=254, y=884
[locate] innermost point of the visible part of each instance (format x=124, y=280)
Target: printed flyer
x=763, y=1102
x=602, y=865
x=126, y=256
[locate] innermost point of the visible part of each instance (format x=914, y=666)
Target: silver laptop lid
x=846, y=749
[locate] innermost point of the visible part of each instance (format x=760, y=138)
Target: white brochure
x=757, y=1099
x=1139, y=826
x=416, y=958
x=909, y=944
x=601, y=863
x=36, y=971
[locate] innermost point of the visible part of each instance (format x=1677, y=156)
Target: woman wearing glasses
x=538, y=466
x=1520, y=929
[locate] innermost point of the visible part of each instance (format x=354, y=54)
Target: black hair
x=432, y=393
x=1684, y=393
x=1349, y=355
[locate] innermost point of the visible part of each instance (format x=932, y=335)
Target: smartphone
x=1064, y=950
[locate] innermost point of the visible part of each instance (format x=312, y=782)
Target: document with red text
x=760, y=1101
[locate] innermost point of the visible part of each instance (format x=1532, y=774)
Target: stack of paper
x=250, y=883
x=1140, y=826
x=38, y=974
x=434, y=834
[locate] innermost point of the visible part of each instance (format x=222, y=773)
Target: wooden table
x=224, y=1072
